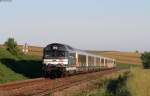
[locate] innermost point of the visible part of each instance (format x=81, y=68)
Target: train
x=61, y=59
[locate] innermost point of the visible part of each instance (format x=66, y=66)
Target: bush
x=146, y=60
x=117, y=87
x=11, y=46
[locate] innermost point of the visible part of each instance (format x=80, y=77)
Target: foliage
x=11, y=45
x=146, y=60
x=13, y=68
x=139, y=82
x=117, y=87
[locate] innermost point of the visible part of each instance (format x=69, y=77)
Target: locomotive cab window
x=51, y=54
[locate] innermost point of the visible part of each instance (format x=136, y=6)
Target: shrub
x=11, y=46
x=117, y=87
x=146, y=60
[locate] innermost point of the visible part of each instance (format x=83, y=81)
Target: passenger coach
x=59, y=59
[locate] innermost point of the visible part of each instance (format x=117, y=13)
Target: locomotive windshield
x=55, y=54
x=55, y=51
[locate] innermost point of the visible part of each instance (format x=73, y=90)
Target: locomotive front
x=55, y=60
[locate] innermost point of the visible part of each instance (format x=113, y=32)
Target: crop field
x=37, y=51
x=121, y=57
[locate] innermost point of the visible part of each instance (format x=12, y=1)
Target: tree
x=11, y=46
x=146, y=59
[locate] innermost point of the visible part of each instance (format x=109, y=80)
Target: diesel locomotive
x=61, y=59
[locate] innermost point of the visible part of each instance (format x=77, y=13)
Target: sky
x=122, y=25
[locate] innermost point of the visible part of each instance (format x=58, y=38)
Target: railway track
x=18, y=84
x=45, y=87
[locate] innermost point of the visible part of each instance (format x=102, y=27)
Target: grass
x=139, y=82
x=6, y=73
x=114, y=85
x=127, y=66
x=5, y=54
x=21, y=67
x=92, y=92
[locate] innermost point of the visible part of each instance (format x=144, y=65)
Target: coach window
x=106, y=62
x=90, y=61
x=72, y=58
x=102, y=62
x=114, y=62
x=82, y=60
x=97, y=61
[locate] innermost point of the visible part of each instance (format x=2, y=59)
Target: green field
x=6, y=73
x=127, y=66
x=21, y=67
